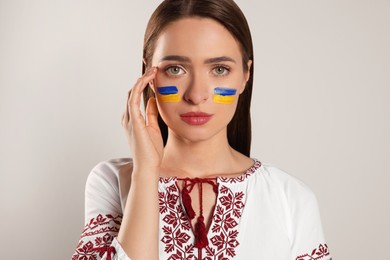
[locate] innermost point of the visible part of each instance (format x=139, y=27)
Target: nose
x=197, y=91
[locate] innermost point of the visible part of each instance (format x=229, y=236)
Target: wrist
x=147, y=174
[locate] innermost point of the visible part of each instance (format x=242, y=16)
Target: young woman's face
x=200, y=76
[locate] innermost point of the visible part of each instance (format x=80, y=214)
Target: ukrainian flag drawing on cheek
x=168, y=94
x=224, y=95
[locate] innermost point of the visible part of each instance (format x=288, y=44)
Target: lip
x=196, y=118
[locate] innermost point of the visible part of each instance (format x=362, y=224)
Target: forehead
x=196, y=38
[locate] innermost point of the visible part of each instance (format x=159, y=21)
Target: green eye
x=174, y=70
x=221, y=70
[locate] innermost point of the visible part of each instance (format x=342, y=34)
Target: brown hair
x=227, y=13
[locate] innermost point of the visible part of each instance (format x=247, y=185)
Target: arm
x=305, y=224
x=103, y=216
x=139, y=231
x=106, y=235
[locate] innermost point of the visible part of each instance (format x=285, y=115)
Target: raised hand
x=144, y=136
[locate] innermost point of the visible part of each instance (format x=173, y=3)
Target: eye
x=174, y=70
x=221, y=70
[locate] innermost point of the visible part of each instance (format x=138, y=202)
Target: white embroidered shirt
x=263, y=214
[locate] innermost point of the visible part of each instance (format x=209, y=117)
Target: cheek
x=225, y=96
x=168, y=94
x=167, y=110
x=167, y=89
x=226, y=112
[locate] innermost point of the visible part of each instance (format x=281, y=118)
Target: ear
x=247, y=75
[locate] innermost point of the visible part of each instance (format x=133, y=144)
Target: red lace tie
x=201, y=240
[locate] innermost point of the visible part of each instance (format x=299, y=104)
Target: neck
x=184, y=158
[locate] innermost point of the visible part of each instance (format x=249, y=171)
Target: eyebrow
x=219, y=59
x=175, y=58
x=186, y=59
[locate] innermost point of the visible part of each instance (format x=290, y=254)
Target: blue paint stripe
x=167, y=90
x=225, y=91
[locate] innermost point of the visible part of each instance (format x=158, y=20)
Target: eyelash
x=173, y=66
x=226, y=68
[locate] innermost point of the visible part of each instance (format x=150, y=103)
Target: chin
x=195, y=134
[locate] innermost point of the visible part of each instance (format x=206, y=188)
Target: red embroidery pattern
x=177, y=229
x=317, y=253
x=225, y=225
x=89, y=249
x=243, y=176
x=177, y=236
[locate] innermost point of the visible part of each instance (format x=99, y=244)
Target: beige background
x=321, y=111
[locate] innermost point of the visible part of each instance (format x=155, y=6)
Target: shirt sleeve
x=307, y=239
x=103, y=216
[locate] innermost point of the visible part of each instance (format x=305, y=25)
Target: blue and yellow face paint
x=168, y=94
x=224, y=95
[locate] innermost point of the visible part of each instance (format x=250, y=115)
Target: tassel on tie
x=187, y=202
x=201, y=240
x=200, y=231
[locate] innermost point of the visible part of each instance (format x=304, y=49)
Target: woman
x=191, y=191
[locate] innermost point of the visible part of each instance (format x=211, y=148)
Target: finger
x=125, y=119
x=151, y=112
x=145, y=79
x=126, y=115
x=135, y=95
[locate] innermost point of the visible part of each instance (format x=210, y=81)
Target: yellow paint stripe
x=223, y=99
x=169, y=98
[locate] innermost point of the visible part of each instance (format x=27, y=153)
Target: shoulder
x=291, y=188
x=110, y=171
x=110, y=179
x=299, y=207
